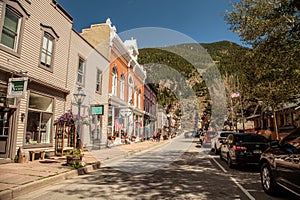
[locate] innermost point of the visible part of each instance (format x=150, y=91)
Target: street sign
x=97, y=110
x=17, y=87
x=125, y=112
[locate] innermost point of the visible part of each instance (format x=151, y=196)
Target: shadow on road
x=189, y=177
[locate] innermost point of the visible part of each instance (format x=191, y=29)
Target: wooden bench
x=32, y=154
x=67, y=150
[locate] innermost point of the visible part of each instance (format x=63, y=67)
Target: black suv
x=280, y=165
x=242, y=148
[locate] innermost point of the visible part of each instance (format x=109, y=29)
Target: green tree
x=272, y=28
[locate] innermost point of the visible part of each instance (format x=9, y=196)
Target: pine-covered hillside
x=180, y=68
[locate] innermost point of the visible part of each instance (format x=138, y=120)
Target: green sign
x=17, y=87
x=97, y=110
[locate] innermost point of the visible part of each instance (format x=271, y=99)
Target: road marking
x=233, y=179
x=222, y=168
x=243, y=189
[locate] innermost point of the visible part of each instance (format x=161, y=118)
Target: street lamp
x=79, y=98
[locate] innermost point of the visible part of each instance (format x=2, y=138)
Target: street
x=178, y=170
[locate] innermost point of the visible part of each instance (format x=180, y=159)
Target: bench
x=40, y=152
x=67, y=150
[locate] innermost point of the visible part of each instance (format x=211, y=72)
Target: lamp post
x=79, y=98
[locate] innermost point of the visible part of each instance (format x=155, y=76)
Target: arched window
x=122, y=87
x=130, y=89
x=114, y=85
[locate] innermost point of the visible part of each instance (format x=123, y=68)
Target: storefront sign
x=97, y=110
x=17, y=87
x=125, y=112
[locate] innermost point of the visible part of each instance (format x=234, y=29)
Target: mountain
x=183, y=68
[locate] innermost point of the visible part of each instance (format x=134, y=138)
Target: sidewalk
x=17, y=179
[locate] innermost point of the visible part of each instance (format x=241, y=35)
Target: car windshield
x=250, y=138
x=293, y=139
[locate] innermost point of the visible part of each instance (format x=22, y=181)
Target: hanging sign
x=125, y=112
x=17, y=87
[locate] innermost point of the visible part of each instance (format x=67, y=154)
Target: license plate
x=256, y=151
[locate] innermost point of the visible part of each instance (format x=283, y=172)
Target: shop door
x=5, y=132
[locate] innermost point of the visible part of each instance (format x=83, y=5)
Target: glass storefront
x=39, y=119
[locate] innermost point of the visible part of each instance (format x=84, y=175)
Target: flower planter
x=73, y=159
x=111, y=137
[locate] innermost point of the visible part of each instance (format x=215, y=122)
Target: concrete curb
x=30, y=187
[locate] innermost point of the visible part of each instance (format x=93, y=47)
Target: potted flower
x=133, y=137
x=111, y=137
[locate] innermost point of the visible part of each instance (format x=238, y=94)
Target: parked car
x=207, y=138
x=280, y=165
x=216, y=141
x=242, y=148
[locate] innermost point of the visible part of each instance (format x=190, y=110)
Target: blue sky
x=198, y=20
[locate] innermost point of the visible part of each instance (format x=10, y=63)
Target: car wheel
x=267, y=180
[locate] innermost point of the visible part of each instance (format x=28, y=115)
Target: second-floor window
x=99, y=81
x=130, y=90
x=47, y=50
x=114, y=81
x=11, y=28
x=122, y=87
x=135, y=98
x=139, y=99
x=80, y=72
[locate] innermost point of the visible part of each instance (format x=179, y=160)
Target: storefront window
x=39, y=119
x=3, y=100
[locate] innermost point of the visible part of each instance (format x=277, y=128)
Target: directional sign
x=125, y=112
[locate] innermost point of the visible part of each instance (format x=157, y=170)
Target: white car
x=215, y=142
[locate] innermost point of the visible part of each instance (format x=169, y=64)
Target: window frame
x=130, y=89
x=99, y=77
x=17, y=8
x=49, y=32
x=46, y=51
x=122, y=87
x=41, y=113
x=114, y=81
x=80, y=58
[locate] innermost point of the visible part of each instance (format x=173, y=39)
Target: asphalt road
x=179, y=170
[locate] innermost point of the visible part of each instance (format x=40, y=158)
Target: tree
x=272, y=28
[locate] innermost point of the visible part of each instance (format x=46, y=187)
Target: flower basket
x=133, y=137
